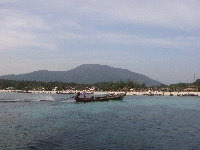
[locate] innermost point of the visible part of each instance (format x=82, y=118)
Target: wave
x=21, y=100
x=35, y=97
x=38, y=100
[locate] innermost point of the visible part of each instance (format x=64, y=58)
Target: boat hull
x=99, y=99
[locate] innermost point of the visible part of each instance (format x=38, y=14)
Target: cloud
x=176, y=14
x=24, y=22
x=12, y=40
x=47, y=34
x=173, y=14
x=19, y=30
x=167, y=13
x=180, y=42
x=83, y=20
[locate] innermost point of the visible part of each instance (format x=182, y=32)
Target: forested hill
x=86, y=73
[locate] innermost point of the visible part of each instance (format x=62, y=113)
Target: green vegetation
x=104, y=86
x=48, y=86
x=198, y=84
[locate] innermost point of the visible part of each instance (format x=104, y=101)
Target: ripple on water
x=133, y=123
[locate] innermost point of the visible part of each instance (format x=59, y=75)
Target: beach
x=163, y=93
x=150, y=93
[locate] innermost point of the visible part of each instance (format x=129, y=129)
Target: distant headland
x=86, y=74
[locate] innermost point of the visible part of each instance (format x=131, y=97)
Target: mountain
x=86, y=73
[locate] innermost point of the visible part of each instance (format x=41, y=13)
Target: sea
x=45, y=121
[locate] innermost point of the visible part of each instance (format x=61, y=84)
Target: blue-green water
x=50, y=121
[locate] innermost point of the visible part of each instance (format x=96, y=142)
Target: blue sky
x=160, y=39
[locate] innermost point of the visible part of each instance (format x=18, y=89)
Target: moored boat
x=65, y=92
x=189, y=94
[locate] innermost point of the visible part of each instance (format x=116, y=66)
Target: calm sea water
x=53, y=121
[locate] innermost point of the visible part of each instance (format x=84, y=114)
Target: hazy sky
x=157, y=38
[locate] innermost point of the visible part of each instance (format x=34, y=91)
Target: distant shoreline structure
x=147, y=93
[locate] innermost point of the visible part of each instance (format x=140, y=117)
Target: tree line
x=180, y=86
x=104, y=86
x=48, y=86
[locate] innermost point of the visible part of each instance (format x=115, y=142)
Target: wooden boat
x=189, y=94
x=99, y=99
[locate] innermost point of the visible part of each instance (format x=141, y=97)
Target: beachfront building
x=125, y=89
x=9, y=88
x=55, y=89
x=164, y=90
x=70, y=88
x=41, y=88
x=92, y=89
x=190, y=88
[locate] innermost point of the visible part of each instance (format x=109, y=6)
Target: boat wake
x=35, y=97
x=26, y=98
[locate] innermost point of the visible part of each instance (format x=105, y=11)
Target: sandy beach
x=148, y=93
x=163, y=93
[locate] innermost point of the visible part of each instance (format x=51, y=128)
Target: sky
x=159, y=39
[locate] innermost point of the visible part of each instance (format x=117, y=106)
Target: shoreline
x=156, y=93
x=148, y=93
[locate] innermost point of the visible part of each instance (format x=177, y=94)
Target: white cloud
x=19, y=27
x=20, y=31
x=173, y=14
x=76, y=27
x=179, y=42
x=12, y=40
x=24, y=22
x=167, y=13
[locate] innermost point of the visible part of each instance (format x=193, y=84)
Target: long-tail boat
x=99, y=99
